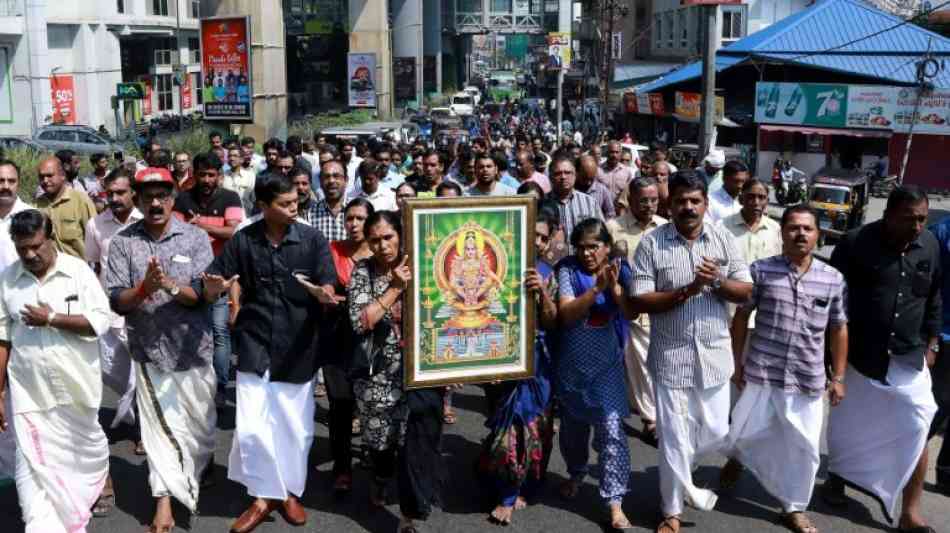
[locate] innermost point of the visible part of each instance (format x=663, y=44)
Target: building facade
x=66, y=57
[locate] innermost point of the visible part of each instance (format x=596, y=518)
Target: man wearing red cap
x=150, y=267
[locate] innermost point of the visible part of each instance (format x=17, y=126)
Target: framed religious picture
x=468, y=318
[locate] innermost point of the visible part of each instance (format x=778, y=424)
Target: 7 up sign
x=815, y=104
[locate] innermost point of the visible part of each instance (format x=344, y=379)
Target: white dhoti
x=178, y=418
x=62, y=461
x=118, y=372
x=777, y=436
x=272, y=436
x=7, y=445
x=878, y=432
x=639, y=382
x=690, y=423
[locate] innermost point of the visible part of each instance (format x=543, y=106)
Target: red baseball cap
x=156, y=175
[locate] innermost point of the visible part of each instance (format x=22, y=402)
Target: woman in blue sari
x=515, y=454
x=593, y=311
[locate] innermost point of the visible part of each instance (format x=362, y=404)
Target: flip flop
x=621, y=526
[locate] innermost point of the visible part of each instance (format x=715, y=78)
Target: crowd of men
x=150, y=276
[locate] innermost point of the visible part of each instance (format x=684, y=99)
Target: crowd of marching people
x=663, y=293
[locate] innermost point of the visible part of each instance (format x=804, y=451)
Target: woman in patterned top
x=593, y=311
x=392, y=418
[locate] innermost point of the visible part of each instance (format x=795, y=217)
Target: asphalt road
x=747, y=508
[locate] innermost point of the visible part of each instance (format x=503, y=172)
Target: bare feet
x=670, y=524
x=163, y=522
x=501, y=515
x=520, y=503
x=912, y=522
x=618, y=520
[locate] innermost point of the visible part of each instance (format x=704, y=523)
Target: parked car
x=21, y=143
x=79, y=139
x=400, y=132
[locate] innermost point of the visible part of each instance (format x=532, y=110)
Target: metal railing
x=497, y=22
x=11, y=8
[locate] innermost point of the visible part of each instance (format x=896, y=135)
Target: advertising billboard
x=361, y=79
x=559, y=51
x=64, y=99
x=879, y=107
x=226, y=68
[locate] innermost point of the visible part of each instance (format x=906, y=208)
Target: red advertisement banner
x=147, y=103
x=186, y=91
x=64, y=99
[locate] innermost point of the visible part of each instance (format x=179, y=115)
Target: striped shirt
x=577, y=207
x=787, y=348
x=690, y=346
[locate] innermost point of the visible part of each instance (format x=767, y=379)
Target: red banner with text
x=64, y=99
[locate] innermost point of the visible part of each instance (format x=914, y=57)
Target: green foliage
x=28, y=161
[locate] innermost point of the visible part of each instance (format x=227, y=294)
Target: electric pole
x=708, y=120
x=611, y=10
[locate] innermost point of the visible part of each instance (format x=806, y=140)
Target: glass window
x=195, y=9
x=120, y=6
x=501, y=6
x=659, y=30
x=684, y=28
x=163, y=88
x=89, y=138
x=733, y=22
x=160, y=7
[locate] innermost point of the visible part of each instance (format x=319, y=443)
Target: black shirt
x=893, y=298
x=276, y=328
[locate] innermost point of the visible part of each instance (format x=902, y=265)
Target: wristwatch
x=716, y=284
x=838, y=380
x=173, y=291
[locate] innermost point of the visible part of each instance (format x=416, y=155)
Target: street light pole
x=608, y=17
x=708, y=122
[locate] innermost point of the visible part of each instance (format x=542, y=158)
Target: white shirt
x=99, y=232
x=48, y=366
x=384, y=199
x=240, y=182
x=258, y=162
x=721, y=205
x=498, y=189
x=352, y=183
x=8, y=254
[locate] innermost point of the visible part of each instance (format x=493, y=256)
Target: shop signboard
x=64, y=99
x=361, y=76
x=226, y=68
x=130, y=91
x=649, y=104
x=559, y=51
x=853, y=106
x=688, y=106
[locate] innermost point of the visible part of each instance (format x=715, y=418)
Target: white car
x=441, y=112
x=474, y=92
x=463, y=104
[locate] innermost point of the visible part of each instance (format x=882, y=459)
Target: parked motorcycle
x=789, y=183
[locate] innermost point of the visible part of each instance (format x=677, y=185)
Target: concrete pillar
x=432, y=18
x=369, y=33
x=38, y=45
x=408, y=38
x=268, y=62
x=565, y=13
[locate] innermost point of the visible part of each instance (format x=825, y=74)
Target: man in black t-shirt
x=217, y=211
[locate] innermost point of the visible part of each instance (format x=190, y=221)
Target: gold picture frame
x=468, y=318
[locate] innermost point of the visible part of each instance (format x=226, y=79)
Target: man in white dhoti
x=684, y=273
x=286, y=273
x=117, y=370
x=149, y=270
x=776, y=425
x=629, y=229
x=51, y=311
x=10, y=204
x=877, y=436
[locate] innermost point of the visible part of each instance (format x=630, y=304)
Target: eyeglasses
x=161, y=196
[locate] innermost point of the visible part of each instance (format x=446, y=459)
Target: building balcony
x=11, y=17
